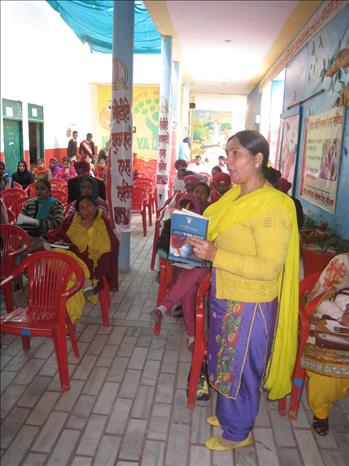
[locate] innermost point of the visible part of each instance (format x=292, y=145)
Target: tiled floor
x=127, y=402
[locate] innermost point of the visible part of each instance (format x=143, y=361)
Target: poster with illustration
x=289, y=147
x=211, y=130
x=321, y=160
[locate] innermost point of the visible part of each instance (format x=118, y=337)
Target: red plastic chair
x=104, y=302
x=17, y=205
x=58, y=184
x=167, y=274
x=304, y=314
x=151, y=164
x=140, y=200
x=15, y=241
x=199, y=351
x=30, y=190
x=159, y=217
x=46, y=315
x=62, y=196
x=148, y=185
x=11, y=217
x=9, y=195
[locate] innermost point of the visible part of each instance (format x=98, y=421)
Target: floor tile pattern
x=127, y=402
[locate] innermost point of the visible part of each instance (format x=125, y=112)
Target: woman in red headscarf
x=222, y=184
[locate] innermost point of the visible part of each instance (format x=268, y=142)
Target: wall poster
x=289, y=145
x=321, y=159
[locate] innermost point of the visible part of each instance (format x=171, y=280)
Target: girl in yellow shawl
x=96, y=247
x=253, y=246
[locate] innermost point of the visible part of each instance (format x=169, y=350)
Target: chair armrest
x=6, y=280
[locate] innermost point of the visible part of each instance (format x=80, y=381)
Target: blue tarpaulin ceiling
x=92, y=22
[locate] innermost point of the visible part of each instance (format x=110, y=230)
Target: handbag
x=331, y=335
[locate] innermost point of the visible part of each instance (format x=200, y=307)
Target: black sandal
x=321, y=426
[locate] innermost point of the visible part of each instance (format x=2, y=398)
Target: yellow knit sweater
x=251, y=255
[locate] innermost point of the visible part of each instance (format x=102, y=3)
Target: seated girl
x=96, y=247
x=41, y=172
x=221, y=184
x=54, y=167
x=100, y=171
x=187, y=282
x=22, y=175
x=48, y=212
x=67, y=171
x=89, y=187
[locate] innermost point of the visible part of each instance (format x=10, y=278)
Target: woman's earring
x=257, y=165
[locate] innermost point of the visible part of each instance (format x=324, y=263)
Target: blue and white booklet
x=185, y=223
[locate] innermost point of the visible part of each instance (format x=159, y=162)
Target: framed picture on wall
x=289, y=147
x=321, y=158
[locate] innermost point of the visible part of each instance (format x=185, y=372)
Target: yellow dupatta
x=96, y=238
x=229, y=210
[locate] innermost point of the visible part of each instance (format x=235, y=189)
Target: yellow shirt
x=251, y=254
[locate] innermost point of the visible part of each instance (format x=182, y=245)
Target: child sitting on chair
x=187, y=282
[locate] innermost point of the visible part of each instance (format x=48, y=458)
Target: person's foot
x=156, y=316
x=177, y=312
x=213, y=421
x=190, y=344
x=321, y=426
x=90, y=291
x=221, y=444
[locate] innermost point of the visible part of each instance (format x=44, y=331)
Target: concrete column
x=120, y=176
x=176, y=105
x=164, y=152
x=185, y=111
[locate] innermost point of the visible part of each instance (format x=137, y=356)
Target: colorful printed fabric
x=325, y=361
x=232, y=327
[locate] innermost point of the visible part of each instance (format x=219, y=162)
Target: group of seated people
x=235, y=266
x=83, y=224
x=65, y=170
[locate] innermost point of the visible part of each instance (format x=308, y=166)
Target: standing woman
x=23, y=176
x=253, y=246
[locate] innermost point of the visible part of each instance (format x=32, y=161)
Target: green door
x=12, y=144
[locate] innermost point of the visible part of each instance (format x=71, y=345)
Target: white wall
x=44, y=63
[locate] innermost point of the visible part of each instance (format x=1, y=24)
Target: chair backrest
x=146, y=183
x=11, y=217
x=305, y=286
x=139, y=197
x=49, y=275
x=9, y=195
x=14, y=241
x=30, y=190
x=151, y=163
x=60, y=195
x=17, y=204
x=58, y=184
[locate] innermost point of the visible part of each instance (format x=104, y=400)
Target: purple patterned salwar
x=239, y=346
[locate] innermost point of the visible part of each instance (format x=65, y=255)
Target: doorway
x=35, y=142
x=13, y=148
